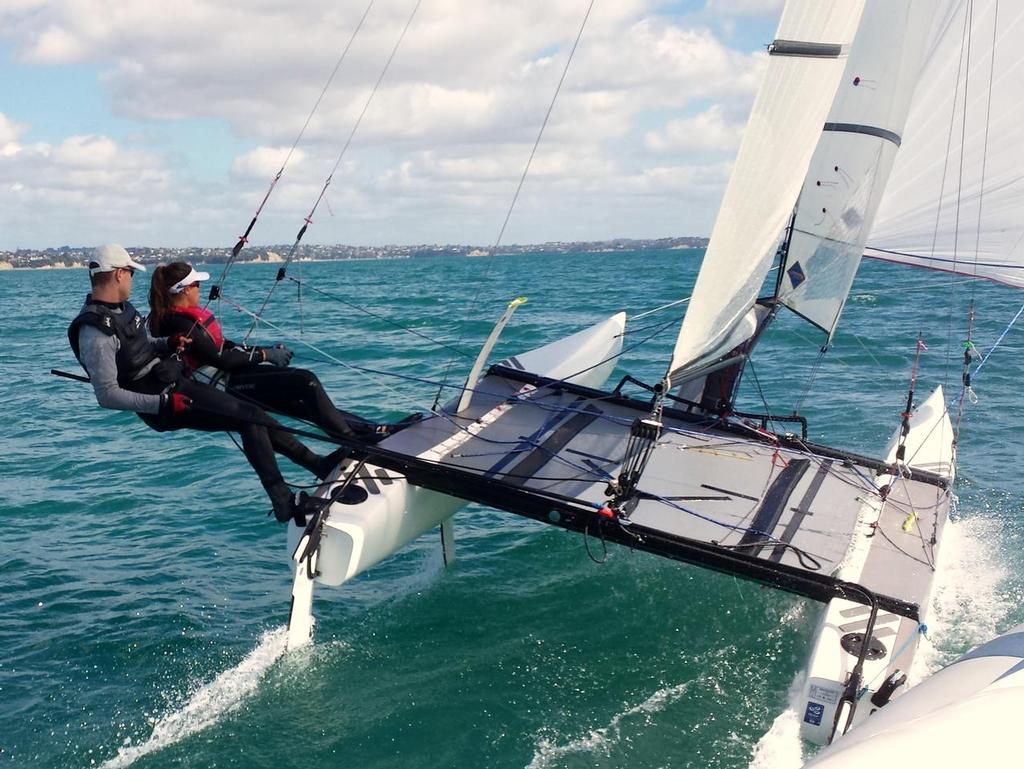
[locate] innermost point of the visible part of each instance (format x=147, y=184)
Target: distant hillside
x=78, y=256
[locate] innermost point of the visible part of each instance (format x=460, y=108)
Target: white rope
x=659, y=309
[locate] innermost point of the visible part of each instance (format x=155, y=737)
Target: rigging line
x=998, y=341
x=984, y=151
x=880, y=531
x=640, y=330
x=323, y=191
x=522, y=180
x=378, y=316
x=446, y=416
x=327, y=357
x=924, y=441
x=768, y=541
x=215, y=289
x=243, y=239
x=924, y=286
x=663, y=307
x=760, y=392
x=969, y=343
x=965, y=67
x=619, y=354
x=913, y=509
x=866, y=349
x=313, y=347
x=810, y=382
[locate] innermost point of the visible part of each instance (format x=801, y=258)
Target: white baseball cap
x=194, y=276
x=109, y=257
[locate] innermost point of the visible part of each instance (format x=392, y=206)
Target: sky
x=163, y=124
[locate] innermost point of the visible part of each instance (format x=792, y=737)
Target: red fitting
x=606, y=512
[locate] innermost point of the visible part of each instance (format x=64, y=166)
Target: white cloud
x=447, y=133
x=264, y=162
x=745, y=7
x=708, y=130
x=10, y=132
x=83, y=182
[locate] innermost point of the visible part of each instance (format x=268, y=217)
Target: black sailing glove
x=279, y=355
x=167, y=371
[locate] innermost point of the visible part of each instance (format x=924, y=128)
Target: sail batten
x=805, y=64
x=867, y=130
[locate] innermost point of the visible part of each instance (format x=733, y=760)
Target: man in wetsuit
x=128, y=373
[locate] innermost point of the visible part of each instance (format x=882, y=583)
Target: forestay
x=805, y=65
x=853, y=159
x=963, y=214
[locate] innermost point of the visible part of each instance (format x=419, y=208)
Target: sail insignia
x=796, y=274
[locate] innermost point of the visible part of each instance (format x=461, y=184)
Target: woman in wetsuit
x=260, y=375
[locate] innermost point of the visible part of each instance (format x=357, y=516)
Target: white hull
x=877, y=556
x=967, y=714
x=394, y=512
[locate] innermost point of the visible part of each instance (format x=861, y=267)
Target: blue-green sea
x=144, y=591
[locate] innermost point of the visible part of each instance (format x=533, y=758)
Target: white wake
x=966, y=609
x=602, y=739
x=209, y=702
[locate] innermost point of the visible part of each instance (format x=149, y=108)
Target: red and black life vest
x=207, y=321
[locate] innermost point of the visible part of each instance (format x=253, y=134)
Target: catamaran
x=673, y=467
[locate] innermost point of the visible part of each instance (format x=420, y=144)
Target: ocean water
x=144, y=592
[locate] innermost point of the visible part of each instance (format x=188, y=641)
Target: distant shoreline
x=77, y=257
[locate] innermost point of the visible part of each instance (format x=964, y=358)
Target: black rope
x=604, y=545
x=810, y=382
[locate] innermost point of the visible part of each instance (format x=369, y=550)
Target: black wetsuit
x=291, y=391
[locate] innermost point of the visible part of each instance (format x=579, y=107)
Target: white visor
x=194, y=276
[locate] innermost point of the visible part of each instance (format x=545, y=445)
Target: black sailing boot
x=326, y=465
x=283, y=501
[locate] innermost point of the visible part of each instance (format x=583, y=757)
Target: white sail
x=963, y=210
x=854, y=156
x=807, y=61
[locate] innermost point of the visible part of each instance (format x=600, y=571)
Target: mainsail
x=806, y=62
x=963, y=214
x=854, y=156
